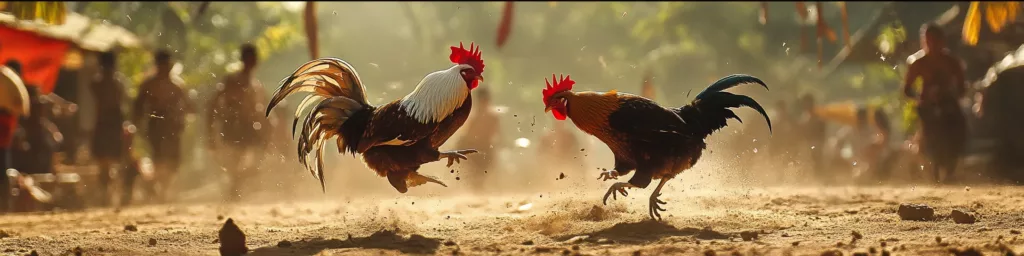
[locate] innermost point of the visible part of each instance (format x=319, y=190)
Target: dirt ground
x=787, y=220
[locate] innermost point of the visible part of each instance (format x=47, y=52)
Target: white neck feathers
x=437, y=95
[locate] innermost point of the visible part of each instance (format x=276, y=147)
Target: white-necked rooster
x=657, y=142
x=394, y=139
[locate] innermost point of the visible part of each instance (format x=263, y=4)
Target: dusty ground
x=789, y=220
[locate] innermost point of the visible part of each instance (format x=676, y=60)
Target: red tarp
x=40, y=57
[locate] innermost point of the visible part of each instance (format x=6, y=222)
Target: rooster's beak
x=547, y=109
x=480, y=77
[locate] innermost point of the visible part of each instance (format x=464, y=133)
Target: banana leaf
x=48, y=12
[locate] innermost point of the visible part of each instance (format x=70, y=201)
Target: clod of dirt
x=918, y=212
x=962, y=217
x=965, y=252
x=232, y=240
x=220, y=217
x=872, y=250
x=567, y=252
x=710, y=252
x=748, y=235
x=796, y=243
x=938, y=239
x=77, y=251
x=561, y=175
x=131, y=228
x=575, y=247
x=152, y=242
x=449, y=243
x=596, y=214
x=856, y=235
x=33, y=253
x=832, y=253
x=527, y=242
x=885, y=253
x=284, y=244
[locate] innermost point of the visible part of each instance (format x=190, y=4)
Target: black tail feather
x=709, y=111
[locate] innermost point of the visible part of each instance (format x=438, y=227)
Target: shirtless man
x=483, y=132
x=943, y=132
x=107, y=145
x=162, y=103
x=234, y=115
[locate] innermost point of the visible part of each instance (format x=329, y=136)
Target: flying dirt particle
x=453, y=171
x=919, y=212
x=583, y=149
x=220, y=217
x=284, y=244
x=152, y=242
x=856, y=235
x=514, y=115
x=449, y=243
x=967, y=188
x=457, y=178
x=748, y=235
x=561, y=175
x=938, y=239
x=527, y=242
x=131, y=228
x=963, y=217
x=232, y=240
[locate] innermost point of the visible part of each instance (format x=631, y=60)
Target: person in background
x=8, y=124
x=483, y=133
x=813, y=131
x=107, y=147
x=37, y=138
x=943, y=130
x=162, y=106
x=235, y=118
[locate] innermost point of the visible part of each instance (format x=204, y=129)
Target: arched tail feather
x=709, y=111
x=336, y=95
x=731, y=81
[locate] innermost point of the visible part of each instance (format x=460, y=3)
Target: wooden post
x=311, y=29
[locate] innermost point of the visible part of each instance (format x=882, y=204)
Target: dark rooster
x=395, y=138
x=657, y=142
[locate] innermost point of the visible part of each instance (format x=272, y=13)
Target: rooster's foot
x=608, y=175
x=655, y=207
x=455, y=156
x=619, y=187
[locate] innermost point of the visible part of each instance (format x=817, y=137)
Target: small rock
x=152, y=242
x=710, y=252
x=832, y=253
x=938, y=239
x=796, y=243
x=527, y=242
x=567, y=252
x=637, y=253
x=856, y=235
x=885, y=253
x=449, y=243
x=284, y=244
x=232, y=240
x=962, y=217
x=33, y=253
x=575, y=247
x=131, y=228
x=77, y=251
x=883, y=244
x=966, y=252
x=872, y=250
x=919, y=212
x=1015, y=232
x=748, y=235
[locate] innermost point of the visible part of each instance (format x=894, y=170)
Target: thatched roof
x=84, y=32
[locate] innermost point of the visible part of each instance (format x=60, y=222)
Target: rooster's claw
x=619, y=187
x=608, y=175
x=455, y=156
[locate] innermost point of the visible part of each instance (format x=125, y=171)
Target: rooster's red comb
x=559, y=85
x=469, y=57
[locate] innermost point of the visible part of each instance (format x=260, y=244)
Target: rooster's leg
x=455, y=156
x=617, y=187
x=416, y=179
x=655, y=208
